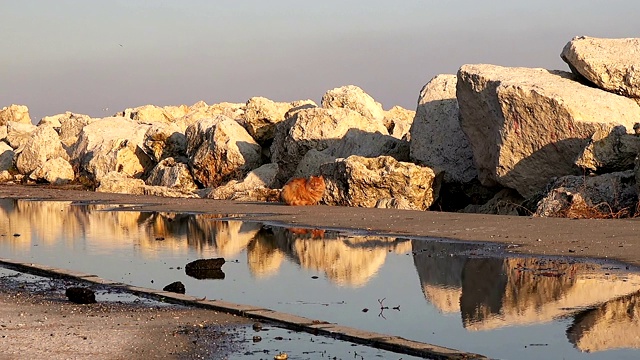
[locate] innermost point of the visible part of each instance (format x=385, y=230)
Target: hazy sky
x=85, y=56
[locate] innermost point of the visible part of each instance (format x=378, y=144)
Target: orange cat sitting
x=301, y=191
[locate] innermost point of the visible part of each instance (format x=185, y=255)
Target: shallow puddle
x=459, y=295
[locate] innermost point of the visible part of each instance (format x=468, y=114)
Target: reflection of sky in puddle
x=523, y=308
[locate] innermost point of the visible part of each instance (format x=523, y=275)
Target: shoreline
x=611, y=239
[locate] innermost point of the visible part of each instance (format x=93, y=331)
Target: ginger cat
x=301, y=191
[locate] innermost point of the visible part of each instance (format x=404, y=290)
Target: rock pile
x=489, y=139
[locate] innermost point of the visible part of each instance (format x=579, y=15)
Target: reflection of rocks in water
x=263, y=254
x=615, y=324
x=502, y=292
x=205, y=274
x=72, y=222
x=348, y=261
x=495, y=292
x=230, y=237
x=483, y=288
x=440, y=267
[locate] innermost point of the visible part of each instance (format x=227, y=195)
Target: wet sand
x=612, y=239
x=38, y=322
x=115, y=331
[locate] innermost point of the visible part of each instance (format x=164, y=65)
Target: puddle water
x=457, y=295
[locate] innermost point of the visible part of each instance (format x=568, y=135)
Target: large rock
x=71, y=125
x=57, y=171
x=261, y=178
x=360, y=181
x=398, y=121
x=200, y=111
x=526, y=125
x=15, y=113
x=354, y=142
x=173, y=174
x=311, y=162
x=354, y=98
x=603, y=196
x=111, y=144
x=610, y=151
x=164, y=140
x=18, y=134
x=437, y=140
x=369, y=144
x=153, y=114
x=611, y=64
x=44, y=144
x=261, y=116
x=220, y=150
x=318, y=129
x=117, y=182
x=6, y=156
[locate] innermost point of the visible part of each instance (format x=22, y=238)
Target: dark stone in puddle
x=257, y=338
x=80, y=295
x=205, y=264
x=257, y=326
x=176, y=287
x=205, y=269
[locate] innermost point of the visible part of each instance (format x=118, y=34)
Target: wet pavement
x=466, y=296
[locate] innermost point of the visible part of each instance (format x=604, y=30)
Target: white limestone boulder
x=111, y=144
x=311, y=162
x=173, y=174
x=437, y=140
x=611, y=64
x=200, y=111
x=118, y=182
x=43, y=145
x=220, y=150
x=354, y=98
x=261, y=116
x=526, y=126
x=368, y=144
x=18, y=134
x=316, y=128
x=164, y=140
x=15, y=113
x=398, y=121
x=152, y=114
x=362, y=182
x=57, y=171
x=610, y=151
x=71, y=125
x=261, y=178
